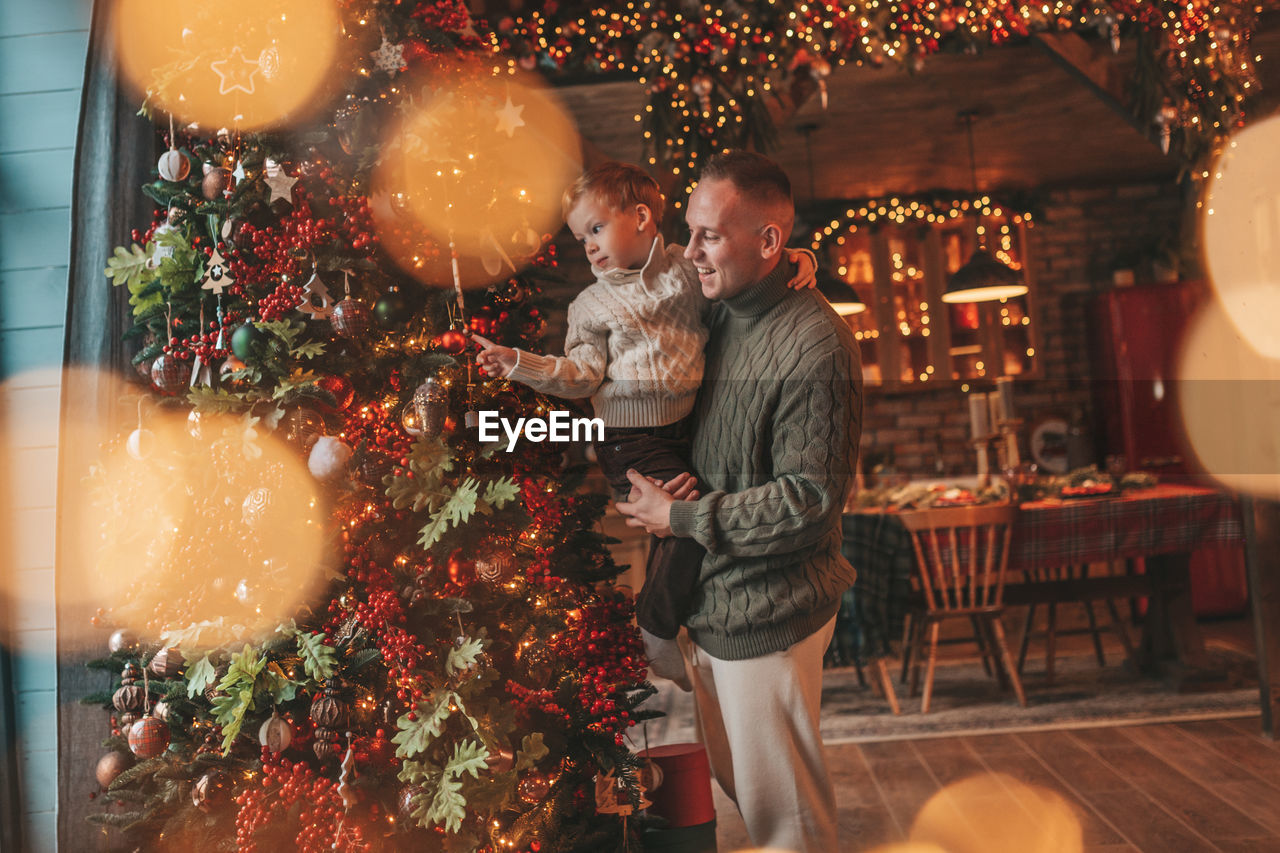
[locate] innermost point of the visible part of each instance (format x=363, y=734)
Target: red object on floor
x=684, y=797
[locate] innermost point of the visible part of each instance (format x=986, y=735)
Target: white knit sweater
x=634, y=346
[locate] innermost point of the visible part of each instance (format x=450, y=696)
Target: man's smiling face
x=727, y=243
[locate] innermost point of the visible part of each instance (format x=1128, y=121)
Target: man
x=777, y=426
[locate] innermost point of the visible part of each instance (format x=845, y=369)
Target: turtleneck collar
x=764, y=294
x=652, y=265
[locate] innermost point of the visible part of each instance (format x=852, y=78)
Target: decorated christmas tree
x=341, y=622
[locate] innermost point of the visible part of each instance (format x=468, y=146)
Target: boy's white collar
x=657, y=253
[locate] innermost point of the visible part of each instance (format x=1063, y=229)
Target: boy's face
x=612, y=238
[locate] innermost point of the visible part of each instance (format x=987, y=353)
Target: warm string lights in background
x=921, y=211
x=707, y=70
x=881, y=248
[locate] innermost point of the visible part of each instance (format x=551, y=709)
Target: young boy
x=635, y=347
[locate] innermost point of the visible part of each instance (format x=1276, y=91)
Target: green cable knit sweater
x=778, y=421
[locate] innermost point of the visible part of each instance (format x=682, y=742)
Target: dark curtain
x=115, y=153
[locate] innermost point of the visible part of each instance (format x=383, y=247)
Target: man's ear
x=644, y=217
x=771, y=240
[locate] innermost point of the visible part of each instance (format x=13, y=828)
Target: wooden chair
x=962, y=554
x=1052, y=631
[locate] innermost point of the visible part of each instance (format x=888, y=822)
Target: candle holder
x=1007, y=448
x=982, y=447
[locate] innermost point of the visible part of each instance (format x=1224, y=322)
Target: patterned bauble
x=170, y=373
x=410, y=795
x=350, y=318
x=496, y=564
x=167, y=663
x=112, y=765
x=301, y=426
x=173, y=166
x=148, y=737
x=340, y=388
x=275, y=734
x=122, y=641
x=244, y=339
x=256, y=506
x=328, y=712
x=210, y=790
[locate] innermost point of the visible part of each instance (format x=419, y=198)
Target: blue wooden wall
x=42, y=52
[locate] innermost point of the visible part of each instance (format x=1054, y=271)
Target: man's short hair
x=619, y=185
x=754, y=175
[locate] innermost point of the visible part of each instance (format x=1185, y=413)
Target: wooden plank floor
x=1169, y=788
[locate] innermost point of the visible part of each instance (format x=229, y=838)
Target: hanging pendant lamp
x=983, y=278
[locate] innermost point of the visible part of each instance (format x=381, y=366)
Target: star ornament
x=281, y=184
x=389, y=57
x=235, y=73
x=509, y=117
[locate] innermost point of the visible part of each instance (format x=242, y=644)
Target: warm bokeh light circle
x=1229, y=397
x=482, y=158
x=996, y=813
x=1240, y=218
x=240, y=64
x=224, y=530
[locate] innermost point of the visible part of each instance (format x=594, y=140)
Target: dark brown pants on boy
x=671, y=574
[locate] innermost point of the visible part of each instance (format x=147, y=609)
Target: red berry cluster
x=607, y=654
x=355, y=225
x=203, y=344
x=285, y=787
x=547, y=507
x=383, y=438
x=541, y=701
x=447, y=15
x=279, y=302
x=279, y=249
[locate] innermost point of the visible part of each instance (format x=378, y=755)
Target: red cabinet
x=1138, y=331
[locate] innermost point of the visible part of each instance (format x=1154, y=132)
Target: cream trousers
x=759, y=722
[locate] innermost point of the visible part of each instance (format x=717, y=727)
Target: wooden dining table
x=1161, y=525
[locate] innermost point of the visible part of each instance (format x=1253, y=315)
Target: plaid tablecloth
x=1164, y=519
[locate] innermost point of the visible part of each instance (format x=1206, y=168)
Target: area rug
x=966, y=701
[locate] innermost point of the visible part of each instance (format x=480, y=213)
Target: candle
x=993, y=411
x=979, y=424
x=1004, y=387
